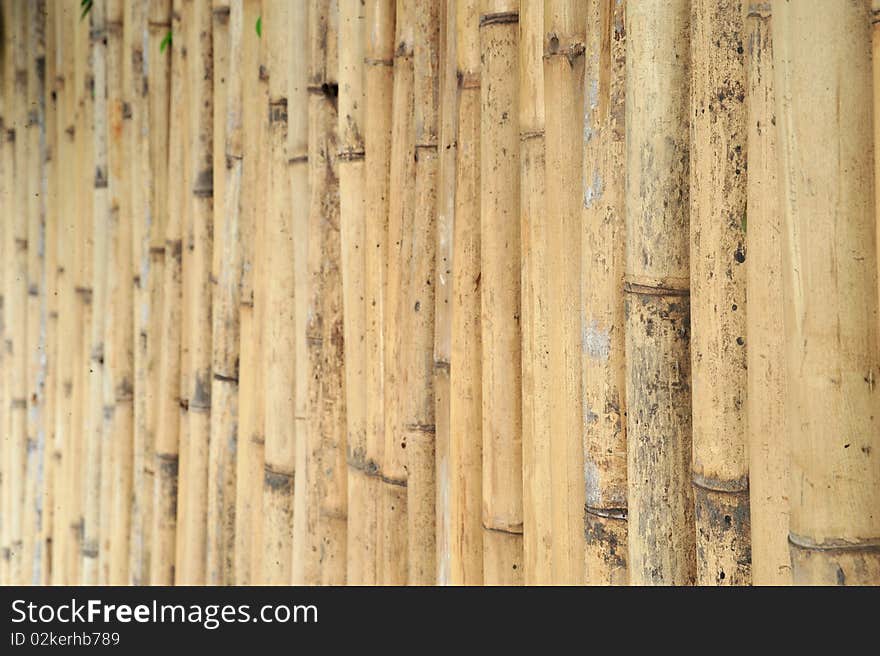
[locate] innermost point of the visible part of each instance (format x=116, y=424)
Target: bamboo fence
x=459, y=292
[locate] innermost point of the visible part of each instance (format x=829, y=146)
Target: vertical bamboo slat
x=659, y=494
x=830, y=289
x=766, y=430
x=465, y=404
x=361, y=488
x=603, y=240
x=718, y=319
x=564, y=25
x=500, y=293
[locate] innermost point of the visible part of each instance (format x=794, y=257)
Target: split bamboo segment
x=226, y=299
x=378, y=84
x=767, y=435
x=502, y=504
x=305, y=564
x=448, y=109
x=250, y=451
x=718, y=292
x=603, y=247
x=658, y=392
x=536, y=381
x=93, y=484
x=360, y=485
x=319, y=553
x=167, y=447
x=392, y=550
x=465, y=404
x=564, y=25
x=417, y=294
x=830, y=289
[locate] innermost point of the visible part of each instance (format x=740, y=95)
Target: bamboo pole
x=659, y=493
x=226, y=299
x=279, y=348
x=392, y=550
x=417, y=343
x=94, y=420
x=309, y=177
x=249, y=465
x=7, y=177
x=196, y=335
x=354, y=32
x=448, y=104
x=602, y=313
x=830, y=289
x=325, y=319
x=718, y=320
x=564, y=25
x=537, y=514
x=500, y=294
x=167, y=448
x=766, y=430
x=465, y=404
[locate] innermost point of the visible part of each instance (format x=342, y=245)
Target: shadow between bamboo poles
x=308, y=185
x=417, y=341
x=500, y=294
x=35, y=71
x=765, y=333
x=227, y=31
x=279, y=348
x=84, y=165
x=51, y=465
x=448, y=108
x=167, y=460
x=465, y=404
x=718, y=318
x=564, y=26
x=378, y=36
x=360, y=489
x=659, y=491
x=392, y=551
x=196, y=339
x=324, y=331
x=537, y=540
x=99, y=220
x=830, y=321
x=603, y=241
x=249, y=464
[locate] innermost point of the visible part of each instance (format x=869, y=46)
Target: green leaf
x=166, y=41
x=86, y=7
x=259, y=26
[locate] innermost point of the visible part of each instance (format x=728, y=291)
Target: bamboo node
x=736, y=486
x=499, y=18
x=803, y=543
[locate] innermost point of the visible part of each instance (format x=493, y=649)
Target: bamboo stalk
x=766, y=430
x=167, y=448
x=249, y=466
x=279, y=347
x=448, y=108
x=226, y=297
x=718, y=356
x=326, y=441
x=309, y=173
x=392, y=550
x=196, y=339
x=602, y=313
x=564, y=25
x=465, y=404
x=830, y=289
x=94, y=420
x=500, y=294
x=361, y=488
x=537, y=513
x=419, y=430
x=659, y=493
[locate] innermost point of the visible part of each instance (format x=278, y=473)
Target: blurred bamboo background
x=439, y=292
